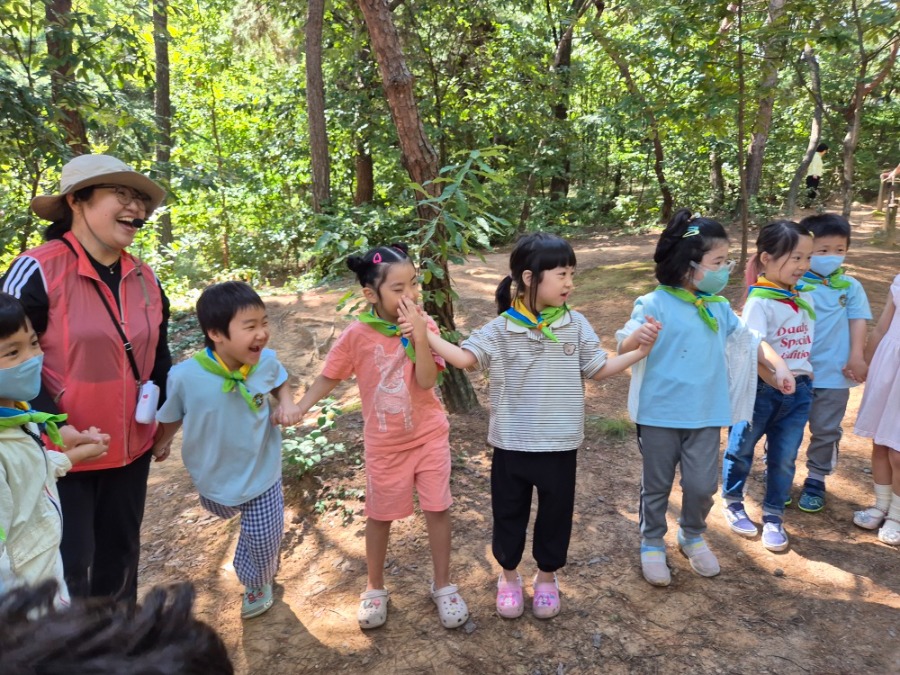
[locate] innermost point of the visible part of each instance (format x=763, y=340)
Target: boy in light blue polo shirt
x=231, y=446
x=842, y=311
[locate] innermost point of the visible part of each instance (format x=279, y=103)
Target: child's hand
x=784, y=380
x=72, y=437
x=412, y=321
x=648, y=332
x=160, y=451
x=88, y=450
x=287, y=414
x=856, y=369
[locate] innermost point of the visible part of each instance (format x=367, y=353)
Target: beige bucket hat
x=87, y=170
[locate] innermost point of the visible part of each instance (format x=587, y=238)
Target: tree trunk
x=59, y=51
x=768, y=83
x=853, y=113
x=421, y=162
x=163, y=107
x=530, y=188
x=716, y=180
x=315, y=107
x=365, y=175
x=815, y=129
x=742, y=106
x=625, y=71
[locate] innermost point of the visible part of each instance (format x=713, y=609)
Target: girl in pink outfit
x=406, y=430
x=879, y=419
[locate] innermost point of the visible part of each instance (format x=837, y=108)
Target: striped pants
x=262, y=528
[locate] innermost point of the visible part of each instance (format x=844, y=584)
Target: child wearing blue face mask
x=700, y=377
x=842, y=311
x=30, y=516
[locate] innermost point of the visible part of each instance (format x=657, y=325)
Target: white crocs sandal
x=372, y=611
x=870, y=519
x=452, y=609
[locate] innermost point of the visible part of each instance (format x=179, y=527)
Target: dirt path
x=830, y=604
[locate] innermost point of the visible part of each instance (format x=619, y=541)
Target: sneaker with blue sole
x=774, y=538
x=812, y=499
x=738, y=520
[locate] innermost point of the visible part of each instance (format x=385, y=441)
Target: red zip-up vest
x=86, y=369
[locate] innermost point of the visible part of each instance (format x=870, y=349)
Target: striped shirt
x=537, y=385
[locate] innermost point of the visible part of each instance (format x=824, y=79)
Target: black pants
x=101, y=541
x=514, y=475
x=812, y=189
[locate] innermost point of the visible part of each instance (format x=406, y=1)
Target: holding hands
x=287, y=413
x=856, y=369
x=646, y=335
x=83, y=445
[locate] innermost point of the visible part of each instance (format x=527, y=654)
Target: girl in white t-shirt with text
x=782, y=313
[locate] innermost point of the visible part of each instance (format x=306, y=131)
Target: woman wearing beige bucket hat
x=102, y=318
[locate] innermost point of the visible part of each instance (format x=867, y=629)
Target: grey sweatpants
x=662, y=450
x=825, y=416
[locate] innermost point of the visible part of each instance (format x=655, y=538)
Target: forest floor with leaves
x=828, y=605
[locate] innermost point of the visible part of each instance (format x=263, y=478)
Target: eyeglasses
x=127, y=195
x=728, y=264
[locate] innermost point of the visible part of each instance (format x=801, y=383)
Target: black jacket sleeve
x=163, y=361
x=24, y=280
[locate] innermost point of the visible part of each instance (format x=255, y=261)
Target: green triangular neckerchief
x=766, y=290
x=699, y=300
x=23, y=417
x=521, y=316
x=834, y=280
x=388, y=329
x=233, y=378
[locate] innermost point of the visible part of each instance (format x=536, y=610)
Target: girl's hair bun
x=401, y=247
x=355, y=262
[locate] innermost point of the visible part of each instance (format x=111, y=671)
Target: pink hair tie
x=376, y=259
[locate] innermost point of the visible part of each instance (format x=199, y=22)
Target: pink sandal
x=546, y=599
x=510, y=603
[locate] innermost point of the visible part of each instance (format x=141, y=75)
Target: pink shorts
x=391, y=476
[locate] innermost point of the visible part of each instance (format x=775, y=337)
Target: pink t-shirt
x=398, y=413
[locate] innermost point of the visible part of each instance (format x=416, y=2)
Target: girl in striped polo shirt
x=537, y=353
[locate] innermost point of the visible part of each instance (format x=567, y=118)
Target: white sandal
x=452, y=608
x=372, y=611
x=870, y=519
x=890, y=532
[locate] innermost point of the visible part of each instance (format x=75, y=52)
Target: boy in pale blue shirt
x=842, y=311
x=231, y=446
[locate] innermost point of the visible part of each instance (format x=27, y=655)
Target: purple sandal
x=510, y=603
x=546, y=599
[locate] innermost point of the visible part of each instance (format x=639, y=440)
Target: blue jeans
x=782, y=419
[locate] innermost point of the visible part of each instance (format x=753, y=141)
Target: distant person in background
x=814, y=174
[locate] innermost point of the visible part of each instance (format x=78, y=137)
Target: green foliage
x=302, y=454
x=240, y=200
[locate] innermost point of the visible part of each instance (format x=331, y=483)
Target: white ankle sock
x=883, y=497
x=894, y=512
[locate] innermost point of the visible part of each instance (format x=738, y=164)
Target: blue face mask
x=713, y=281
x=825, y=265
x=22, y=382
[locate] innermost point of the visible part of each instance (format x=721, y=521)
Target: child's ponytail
x=503, y=295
